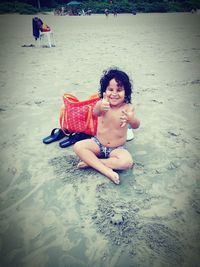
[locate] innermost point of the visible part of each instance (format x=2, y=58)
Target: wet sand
x=53, y=214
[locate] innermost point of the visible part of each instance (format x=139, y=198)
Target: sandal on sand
x=56, y=134
x=31, y=45
x=73, y=138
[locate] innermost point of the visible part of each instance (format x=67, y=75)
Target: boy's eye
x=118, y=90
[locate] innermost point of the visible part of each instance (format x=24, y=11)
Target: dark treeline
x=98, y=6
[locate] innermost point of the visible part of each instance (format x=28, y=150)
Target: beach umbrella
x=74, y=3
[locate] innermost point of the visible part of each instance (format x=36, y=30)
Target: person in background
x=106, y=12
x=115, y=11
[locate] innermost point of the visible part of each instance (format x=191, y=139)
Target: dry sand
x=55, y=215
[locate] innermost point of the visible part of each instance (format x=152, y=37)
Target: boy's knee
x=128, y=164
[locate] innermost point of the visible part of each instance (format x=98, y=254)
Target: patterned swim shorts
x=105, y=151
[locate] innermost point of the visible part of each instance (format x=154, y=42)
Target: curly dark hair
x=120, y=77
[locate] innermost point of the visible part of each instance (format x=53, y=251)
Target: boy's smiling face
x=115, y=93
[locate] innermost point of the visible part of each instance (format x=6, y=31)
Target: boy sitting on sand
x=106, y=151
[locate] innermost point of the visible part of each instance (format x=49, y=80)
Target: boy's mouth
x=114, y=97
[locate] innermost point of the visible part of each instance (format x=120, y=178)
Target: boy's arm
x=97, y=109
x=129, y=116
x=133, y=121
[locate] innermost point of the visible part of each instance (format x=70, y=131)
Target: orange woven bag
x=77, y=116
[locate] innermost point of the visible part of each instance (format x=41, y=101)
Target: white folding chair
x=46, y=37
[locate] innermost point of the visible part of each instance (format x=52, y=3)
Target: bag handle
x=62, y=120
x=88, y=117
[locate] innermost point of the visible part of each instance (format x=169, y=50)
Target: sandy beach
x=54, y=215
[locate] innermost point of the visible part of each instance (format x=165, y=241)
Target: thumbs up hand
x=105, y=105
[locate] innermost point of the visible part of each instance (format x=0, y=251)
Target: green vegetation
x=98, y=6
x=17, y=7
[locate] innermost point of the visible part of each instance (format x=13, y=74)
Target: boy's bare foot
x=114, y=177
x=82, y=165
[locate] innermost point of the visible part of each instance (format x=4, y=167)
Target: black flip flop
x=56, y=135
x=73, y=138
x=31, y=45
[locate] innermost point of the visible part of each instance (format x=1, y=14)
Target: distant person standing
x=62, y=13
x=115, y=11
x=106, y=12
x=133, y=11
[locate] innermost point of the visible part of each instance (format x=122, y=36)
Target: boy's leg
x=119, y=159
x=88, y=150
